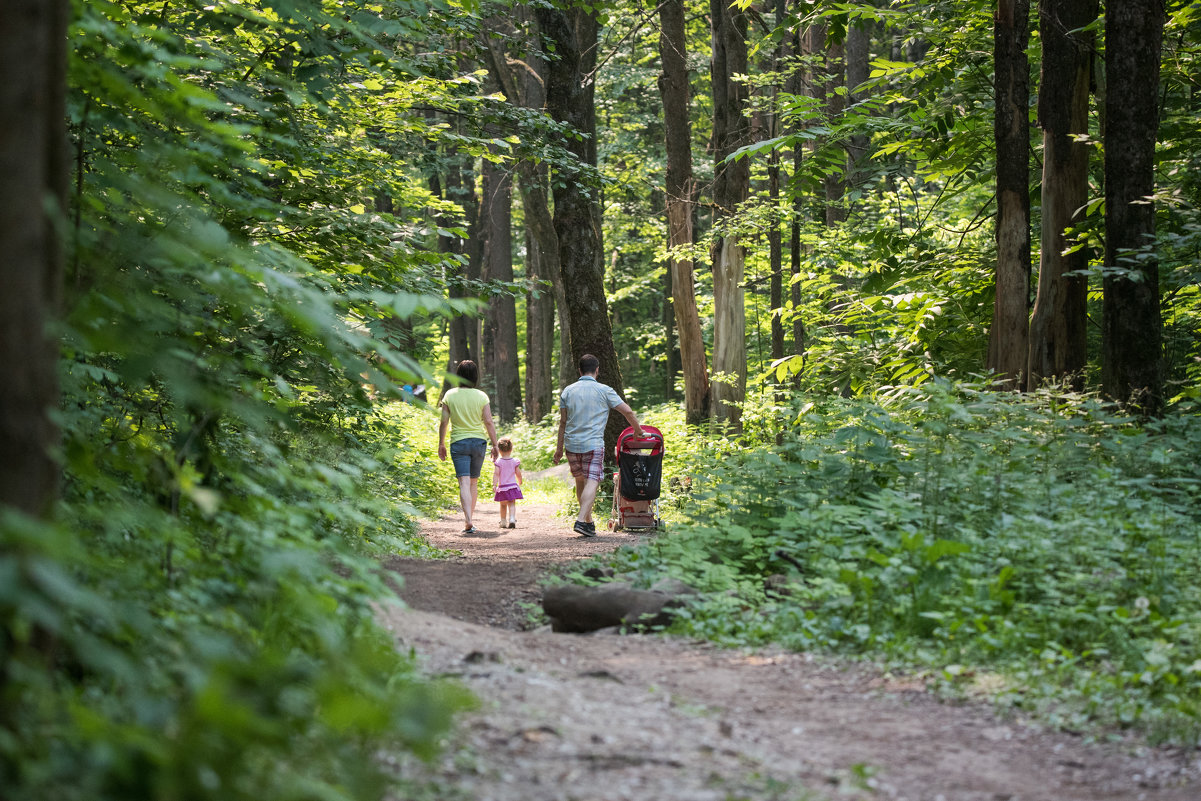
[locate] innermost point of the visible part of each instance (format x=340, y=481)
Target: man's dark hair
x=469, y=372
x=589, y=364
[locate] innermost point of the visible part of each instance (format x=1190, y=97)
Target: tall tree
x=858, y=70
x=464, y=330
x=500, y=340
x=795, y=85
x=834, y=87
x=731, y=185
x=32, y=189
x=522, y=79
x=775, y=244
x=1058, y=325
x=680, y=191
x=571, y=37
x=1008, y=344
x=1131, y=348
x=500, y=349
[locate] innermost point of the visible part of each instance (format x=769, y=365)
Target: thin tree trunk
x=672, y=344
x=731, y=185
x=1058, y=326
x=775, y=244
x=570, y=99
x=32, y=192
x=834, y=84
x=858, y=60
x=524, y=82
x=540, y=334
x=796, y=87
x=1132, y=329
x=813, y=85
x=674, y=89
x=1008, y=343
x=500, y=349
x=464, y=329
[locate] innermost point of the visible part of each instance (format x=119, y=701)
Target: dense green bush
x=197, y=620
x=1045, y=541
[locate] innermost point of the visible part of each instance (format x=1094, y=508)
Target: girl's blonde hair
x=504, y=445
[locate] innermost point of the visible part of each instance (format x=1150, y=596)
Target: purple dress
x=507, y=488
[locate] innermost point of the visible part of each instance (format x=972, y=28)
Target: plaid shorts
x=590, y=464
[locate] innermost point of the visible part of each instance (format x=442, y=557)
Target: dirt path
x=639, y=718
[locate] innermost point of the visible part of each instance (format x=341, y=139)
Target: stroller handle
x=651, y=438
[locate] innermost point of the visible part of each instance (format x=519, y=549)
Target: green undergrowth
x=206, y=629
x=1040, y=550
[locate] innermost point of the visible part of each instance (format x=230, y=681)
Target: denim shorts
x=468, y=456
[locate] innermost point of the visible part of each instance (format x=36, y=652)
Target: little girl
x=506, y=483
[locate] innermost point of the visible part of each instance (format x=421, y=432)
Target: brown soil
x=648, y=718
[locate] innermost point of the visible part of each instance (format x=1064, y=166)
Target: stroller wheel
x=612, y=524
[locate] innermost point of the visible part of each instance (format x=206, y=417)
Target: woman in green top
x=467, y=411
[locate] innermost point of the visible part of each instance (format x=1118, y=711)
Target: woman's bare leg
x=466, y=500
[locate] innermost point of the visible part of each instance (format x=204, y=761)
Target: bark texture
x=32, y=182
x=1132, y=335
x=680, y=190
x=464, y=330
x=834, y=85
x=796, y=86
x=1008, y=343
x=500, y=350
x=1058, y=326
x=523, y=82
x=858, y=70
x=570, y=99
x=775, y=242
x=731, y=184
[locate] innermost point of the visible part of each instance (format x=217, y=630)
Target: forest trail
x=605, y=717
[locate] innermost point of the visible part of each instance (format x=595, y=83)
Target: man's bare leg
x=587, y=496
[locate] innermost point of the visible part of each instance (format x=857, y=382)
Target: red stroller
x=637, y=480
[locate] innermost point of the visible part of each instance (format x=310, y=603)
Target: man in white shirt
x=583, y=412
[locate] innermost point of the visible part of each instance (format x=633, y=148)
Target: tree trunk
x=1132, y=335
x=731, y=184
x=542, y=264
x=524, y=86
x=540, y=333
x=570, y=99
x=834, y=84
x=500, y=349
x=464, y=330
x=1008, y=343
x=775, y=243
x=858, y=63
x=813, y=85
x=32, y=191
x=1058, y=332
x=796, y=87
x=674, y=89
